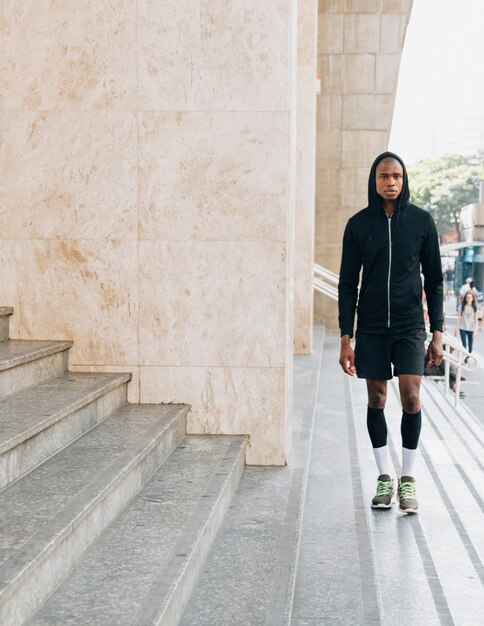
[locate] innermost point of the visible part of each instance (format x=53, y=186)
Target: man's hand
x=347, y=356
x=435, y=352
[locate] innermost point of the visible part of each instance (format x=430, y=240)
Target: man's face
x=389, y=179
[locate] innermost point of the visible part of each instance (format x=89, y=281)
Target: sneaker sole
x=382, y=506
x=407, y=510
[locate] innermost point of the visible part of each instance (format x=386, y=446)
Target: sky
x=439, y=105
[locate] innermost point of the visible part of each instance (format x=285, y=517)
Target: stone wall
x=146, y=208
x=359, y=50
x=305, y=174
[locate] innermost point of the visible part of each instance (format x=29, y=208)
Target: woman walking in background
x=467, y=321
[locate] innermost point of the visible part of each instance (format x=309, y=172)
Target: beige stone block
x=328, y=147
x=359, y=73
x=363, y=6
x=361, y=33
x=68, y=55
x=307, y=32
x=330, y=112
x=326, y=312
x=331, y=71
x=354, y=187
x=330, y=33
x=213, y=176
x=328, y=190
x=365, y=112
x=395, y=6
x=331, y=6
x=68, y=175
x=227, y=400
x=211, y=303
x=329, y=254
x=387, y=68
x=392, y=33
x=85, y=291
x=133, y=385
x=303, y=331
x=361, y=147
x=214, y=55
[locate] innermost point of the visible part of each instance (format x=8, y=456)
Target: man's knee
x=377, y=398
x=411, y=401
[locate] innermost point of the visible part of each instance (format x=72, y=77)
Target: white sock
x=383, y=461
x=408, y=461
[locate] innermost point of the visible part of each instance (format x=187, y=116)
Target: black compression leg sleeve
x=410, y=429
x=377, y=427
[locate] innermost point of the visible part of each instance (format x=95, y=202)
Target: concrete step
x=53, y=514
x=38, y=421
x=143, y=567
x=27, y=363
x=5, y=313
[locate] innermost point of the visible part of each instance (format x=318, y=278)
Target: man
x=392, y=240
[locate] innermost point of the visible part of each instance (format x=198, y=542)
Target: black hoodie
x=392, y=252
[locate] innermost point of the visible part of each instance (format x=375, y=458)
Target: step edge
x=5, y=311
x=170, y=607
x=35, y=354
x=54, y=418
x=83, y=504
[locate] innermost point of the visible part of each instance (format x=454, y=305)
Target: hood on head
x=374, y=200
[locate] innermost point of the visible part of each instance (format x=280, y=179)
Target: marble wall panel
x=367, y=111
x=392, y=33
x=214, y=176
x=331, y=70
x=67, y=55
x=330, y=33
x=227, y=400
x=354, y=186
x=213, y=303
x=359, y=73
x=331, y=6
x=213, y=55
x=363, y=6
x=396, y=6
x=386, y=77
x=360, y=147
x=82, y=290
x=330, y=112
x=361, y=33
x=68, y=175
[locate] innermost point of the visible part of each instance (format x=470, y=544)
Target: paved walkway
x=301, y=546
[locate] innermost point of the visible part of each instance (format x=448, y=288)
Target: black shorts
x=376, y=353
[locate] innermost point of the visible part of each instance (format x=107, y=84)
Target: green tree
x=445, y=185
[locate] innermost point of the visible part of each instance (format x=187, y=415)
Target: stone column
x=306, y=174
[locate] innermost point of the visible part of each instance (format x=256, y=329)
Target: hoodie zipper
x=389, y=264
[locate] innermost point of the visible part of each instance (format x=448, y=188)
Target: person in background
x=463, y=290
x=467, y=322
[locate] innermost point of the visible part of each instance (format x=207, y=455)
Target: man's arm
x=435, y=352
x=347, y=297
x=347, y=356
x=432, y=271
x=348, y=283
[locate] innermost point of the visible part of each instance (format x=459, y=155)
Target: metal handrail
x=326, y=274
x=455, y=355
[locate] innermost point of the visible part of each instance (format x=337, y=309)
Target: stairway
x=107, y=510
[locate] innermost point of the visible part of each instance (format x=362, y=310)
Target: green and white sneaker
x=407, y=495
x=384, y=493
